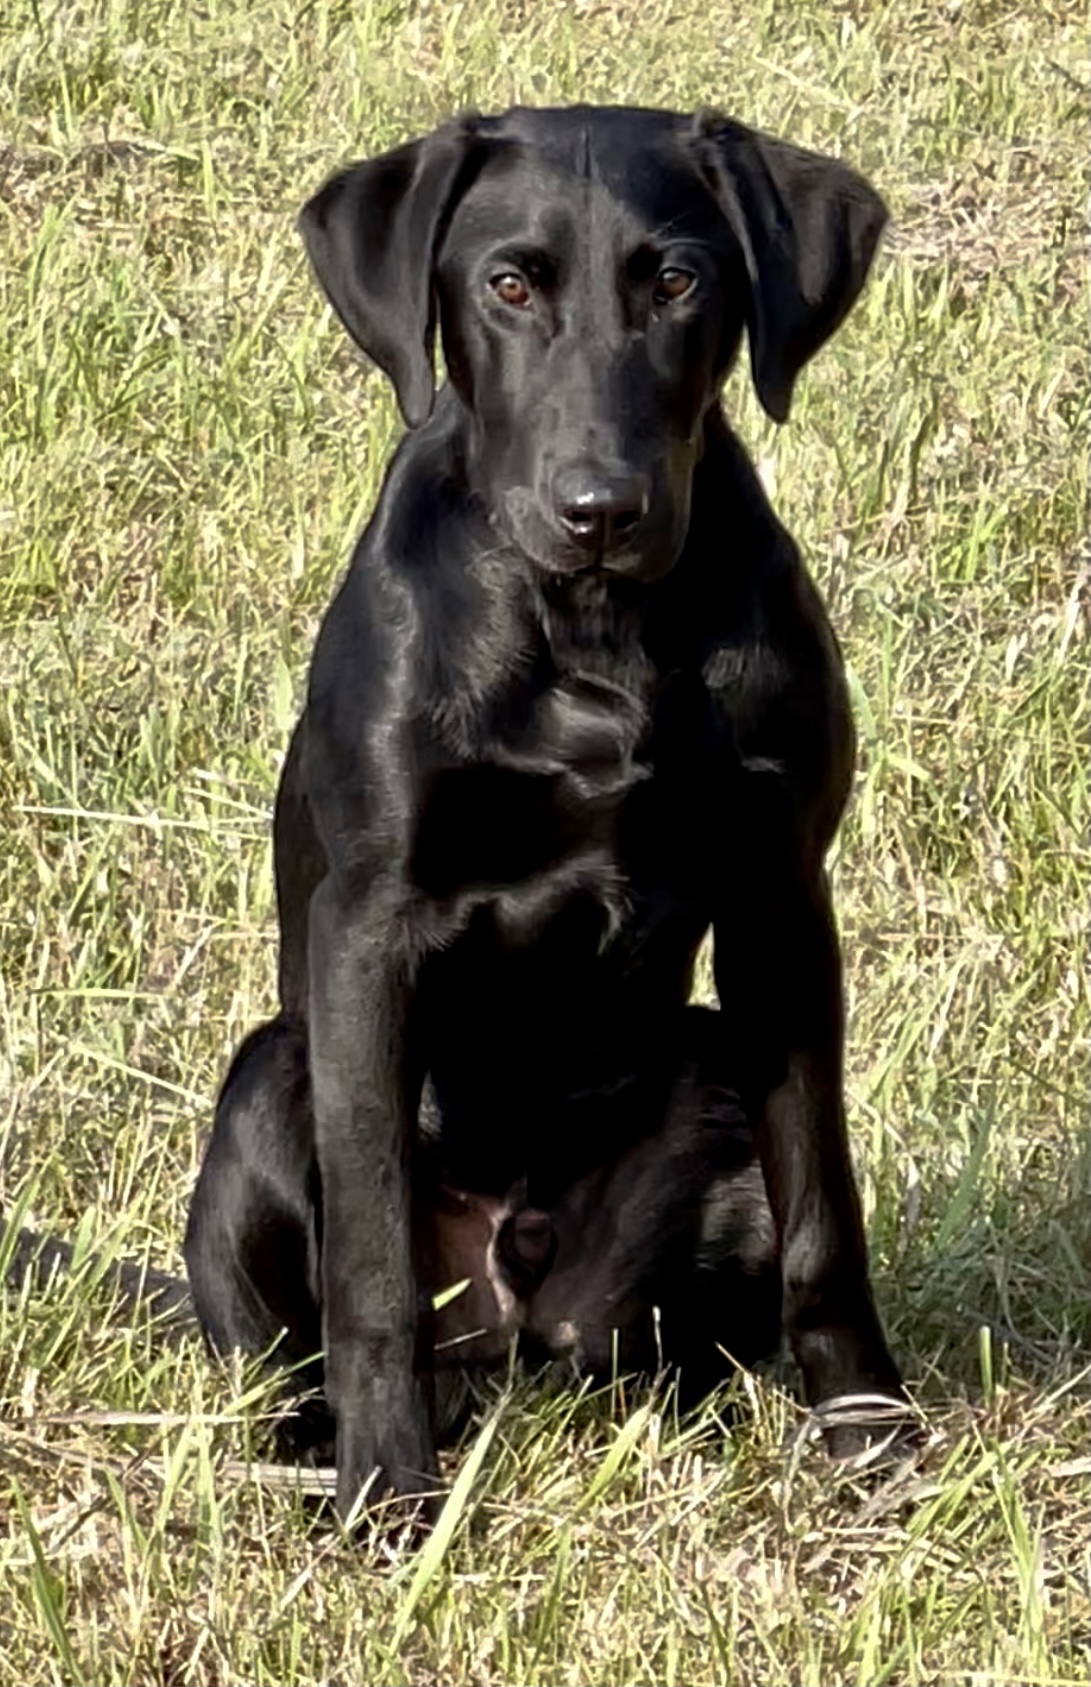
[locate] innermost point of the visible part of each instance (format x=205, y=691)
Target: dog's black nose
x=599, y=508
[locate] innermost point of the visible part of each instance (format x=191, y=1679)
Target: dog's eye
x=511, y=288
x=673, y=284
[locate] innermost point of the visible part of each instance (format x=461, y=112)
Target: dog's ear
x=808, y=226
x=372, y=234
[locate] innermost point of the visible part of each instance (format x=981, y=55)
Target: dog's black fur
x=576, y=701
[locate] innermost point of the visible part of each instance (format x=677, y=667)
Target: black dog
x=658, y=1244
x=576, y=701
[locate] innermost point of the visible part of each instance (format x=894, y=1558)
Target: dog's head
x=494, y=1252
x=592, y=271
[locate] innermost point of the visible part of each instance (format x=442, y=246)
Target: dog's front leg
x=796, y=1016
x=366, y=1093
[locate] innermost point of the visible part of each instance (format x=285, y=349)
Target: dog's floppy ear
x=808, y=226
x=372, y=234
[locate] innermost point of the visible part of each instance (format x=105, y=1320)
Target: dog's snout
x=600, y=508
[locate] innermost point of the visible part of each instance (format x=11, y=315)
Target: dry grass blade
x=436, y=1547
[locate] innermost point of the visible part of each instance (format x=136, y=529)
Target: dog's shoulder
x=435, y=613
x=768, y=655
x=741, y=594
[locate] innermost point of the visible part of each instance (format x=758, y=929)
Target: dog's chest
x=583, y=808
x=592, y=730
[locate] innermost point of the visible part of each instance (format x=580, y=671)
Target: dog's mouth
x=641, y=549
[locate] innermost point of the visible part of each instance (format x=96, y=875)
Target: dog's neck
x=592, y=627
x=598, y=680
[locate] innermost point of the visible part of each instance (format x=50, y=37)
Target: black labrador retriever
x=576, y=701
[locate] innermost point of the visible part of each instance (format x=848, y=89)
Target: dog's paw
x=390, y=1513
x=395, y=1483
x=868, y=1431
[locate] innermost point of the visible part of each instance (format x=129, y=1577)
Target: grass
x=187, y=447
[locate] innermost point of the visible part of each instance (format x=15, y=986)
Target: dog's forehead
x=566, y=132
x=541, y=168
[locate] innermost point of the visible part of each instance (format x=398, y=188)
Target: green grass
x=187, y=447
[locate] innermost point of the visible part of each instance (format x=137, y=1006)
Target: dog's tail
x=33, y=1261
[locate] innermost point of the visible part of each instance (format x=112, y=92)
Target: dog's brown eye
x=512, y=289
x=672, y=284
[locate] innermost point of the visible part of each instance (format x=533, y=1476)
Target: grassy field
x=187, y=447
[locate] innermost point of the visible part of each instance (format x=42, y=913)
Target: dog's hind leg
x=667, y=1257
x=253, y=1237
